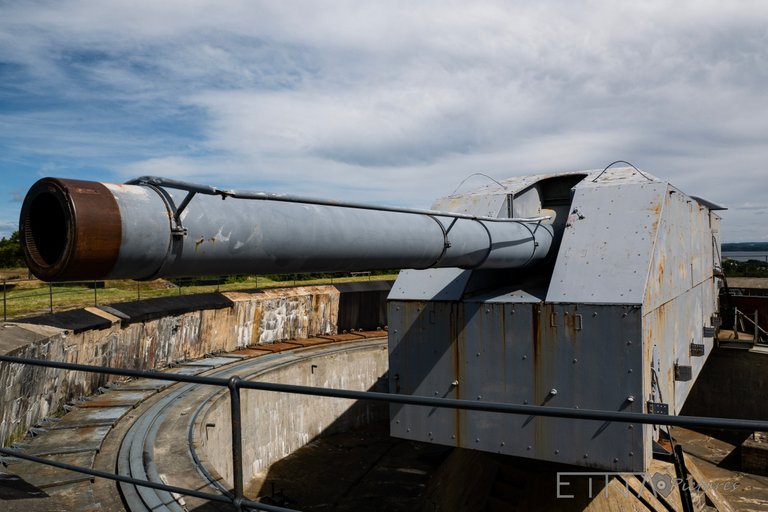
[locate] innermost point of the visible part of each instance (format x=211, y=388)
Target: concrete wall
x=754, y=454
x=145, y=339
x=732, y=384
x=276, y=424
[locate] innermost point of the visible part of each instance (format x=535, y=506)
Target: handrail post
x=5, y=314
x=757, y=337
x=237, y=440
x=50, y=297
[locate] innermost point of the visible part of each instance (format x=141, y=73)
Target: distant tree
x=11, y=255
x=750, y=268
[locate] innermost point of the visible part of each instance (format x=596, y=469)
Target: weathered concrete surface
x=756, y=283
x=70, y=440
x=364, y=469
x=276, y=424
x=276, y=314
x=754, y=454
x=29, y=394
x=732, y=384
x=475, y=480
x=714, y=465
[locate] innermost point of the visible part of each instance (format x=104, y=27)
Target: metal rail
x=234, y=384
x=760, y=335
x=195, y=188
x=76, y=291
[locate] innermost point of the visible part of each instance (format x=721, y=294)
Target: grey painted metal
x=607, y=247
x=487, y=204
x=433, y=284
x=195, y=188
x=630, y=242
x=480, y=351
x=237, y=440
x=145, y=229
x=282, y=235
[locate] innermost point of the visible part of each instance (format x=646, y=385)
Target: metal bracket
x=708, y=332
x=658, y=408
x=683, y=373
x=178, y=230
x=697, y=350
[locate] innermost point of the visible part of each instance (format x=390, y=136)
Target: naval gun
x=154, y=227
x=592, y=290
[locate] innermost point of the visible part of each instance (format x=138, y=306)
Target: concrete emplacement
x=277, y=425
x=536, y=289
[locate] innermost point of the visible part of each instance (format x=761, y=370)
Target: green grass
x=25, y=297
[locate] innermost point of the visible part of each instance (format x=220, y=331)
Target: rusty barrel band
x=93, y=229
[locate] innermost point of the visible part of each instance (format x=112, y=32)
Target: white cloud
x=396, y=101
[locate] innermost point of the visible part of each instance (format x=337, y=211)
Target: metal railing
x=73, y=294
x=741, y=322
x=235, y=384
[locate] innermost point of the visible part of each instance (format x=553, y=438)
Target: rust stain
x=199, y=242
x=544, y=355
x=655, y=208
x=570, y=325
x=94, y=229
x=661, y=268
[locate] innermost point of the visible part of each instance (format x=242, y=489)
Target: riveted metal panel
x=607, y=243
x=588, y=357
x=683, y=254
x=486, y=204
x=540, y=354
x=512, y=295
x=520, y=183
x=442, y=284
x=422, y=362
x=669, y=330
x=496, y=364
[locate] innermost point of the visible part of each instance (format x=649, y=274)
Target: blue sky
x=390, y=102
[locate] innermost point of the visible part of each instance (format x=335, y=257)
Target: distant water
x=746, y=255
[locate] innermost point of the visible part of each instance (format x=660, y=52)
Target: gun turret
x=586, y=290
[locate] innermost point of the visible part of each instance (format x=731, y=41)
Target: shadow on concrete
x=352, y=465
x=13, y=487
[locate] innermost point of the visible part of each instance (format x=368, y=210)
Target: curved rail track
x=159, y=446
x=143, y=429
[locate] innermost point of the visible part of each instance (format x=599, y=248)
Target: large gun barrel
x=155, y=227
